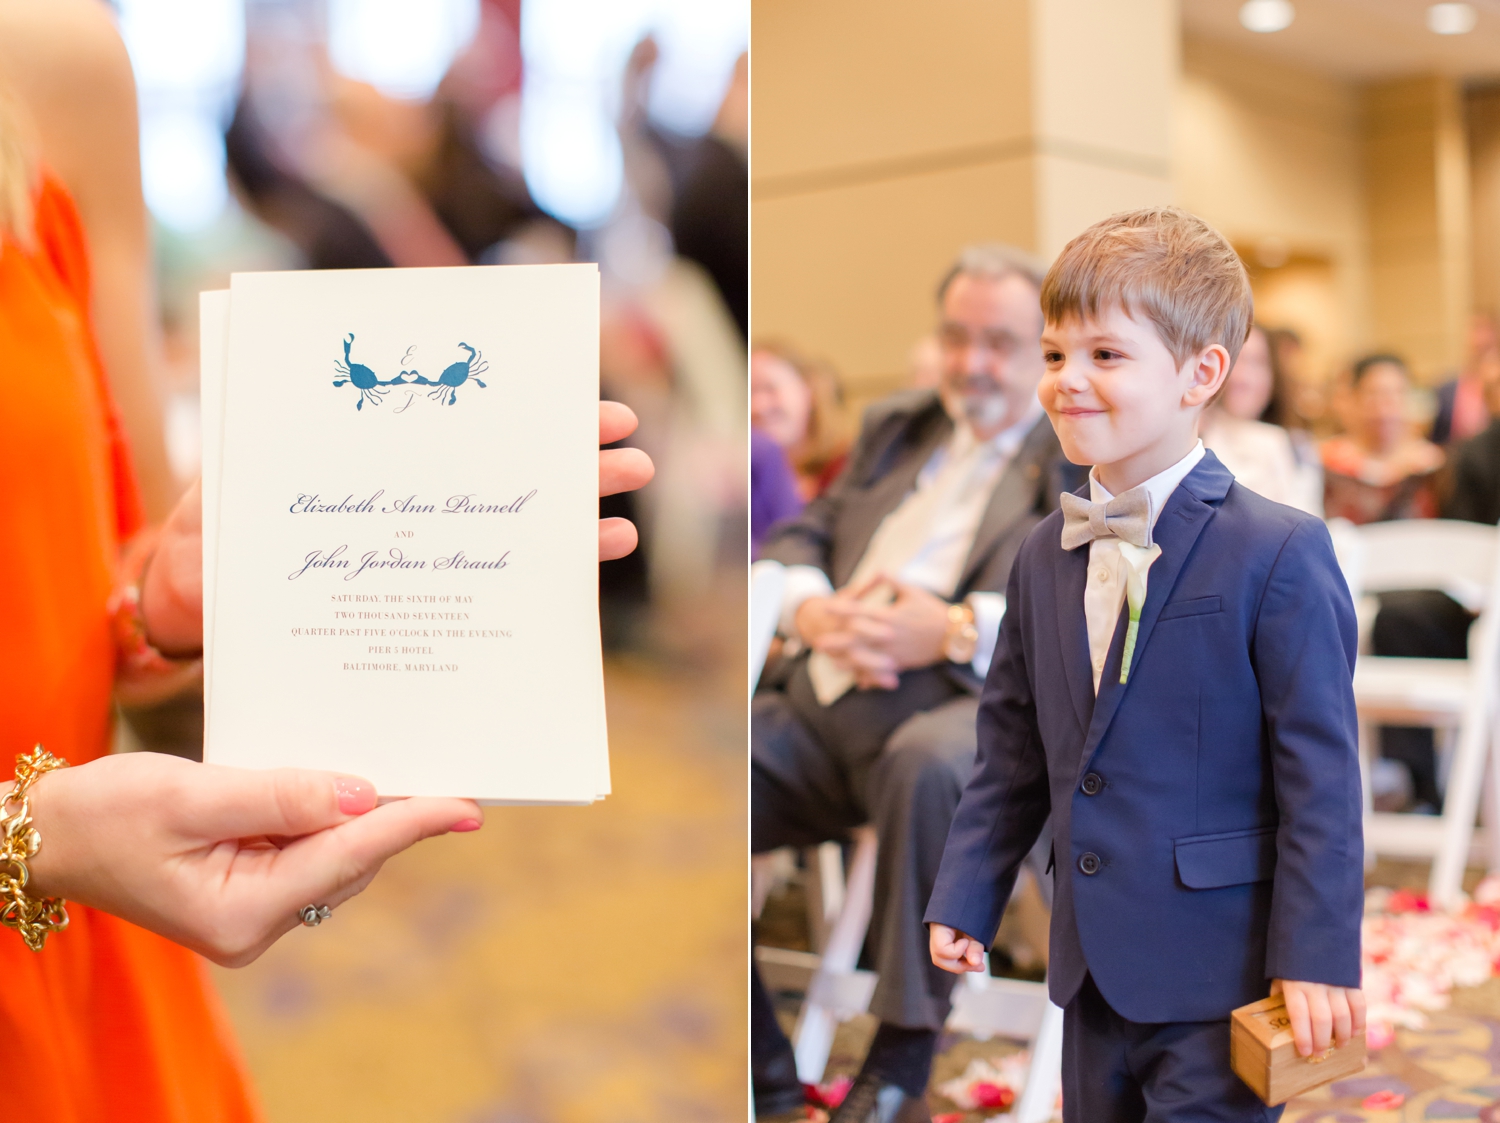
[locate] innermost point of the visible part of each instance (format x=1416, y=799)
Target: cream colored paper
x=467, y=511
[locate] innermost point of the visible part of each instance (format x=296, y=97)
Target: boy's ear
x=1210, y=369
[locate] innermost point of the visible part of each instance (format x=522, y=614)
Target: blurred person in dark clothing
x=1463, y=409
x=711, y=215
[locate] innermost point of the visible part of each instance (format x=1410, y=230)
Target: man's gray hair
x=993, y=261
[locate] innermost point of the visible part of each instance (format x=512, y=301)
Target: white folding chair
x=767, y=587
x=1454, y=696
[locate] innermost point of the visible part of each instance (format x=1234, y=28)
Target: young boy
x=1173, y=686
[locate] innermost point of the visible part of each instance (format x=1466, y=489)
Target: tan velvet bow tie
x=1126, y=517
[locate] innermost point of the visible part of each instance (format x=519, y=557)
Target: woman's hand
x=620, y=469
x=172, y=590
x=219, y=859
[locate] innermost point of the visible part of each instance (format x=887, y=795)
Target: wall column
x=887, y=135
x=1418, y=185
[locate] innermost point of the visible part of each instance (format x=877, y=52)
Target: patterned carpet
x=571, y=965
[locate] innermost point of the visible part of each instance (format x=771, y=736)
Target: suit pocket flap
x=1198, y=606
x=1211, y=861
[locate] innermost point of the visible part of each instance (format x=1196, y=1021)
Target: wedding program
x=400, y=504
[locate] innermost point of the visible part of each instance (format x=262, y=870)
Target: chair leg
x=813, y=1038
x=1367, y=751
x=1490, y=815
x=1044, y=1078
x=1460, y=805
x=825, y=890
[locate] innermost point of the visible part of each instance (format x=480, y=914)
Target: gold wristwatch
x=962, y=637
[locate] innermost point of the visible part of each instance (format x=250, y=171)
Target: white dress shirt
x=951, y=493
x=1104, y=592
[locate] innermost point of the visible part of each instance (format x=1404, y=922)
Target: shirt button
x=1089, y=864
x=1093, y=784
x=1102, y=575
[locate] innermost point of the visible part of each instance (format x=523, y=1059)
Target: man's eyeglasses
x=1003, y=345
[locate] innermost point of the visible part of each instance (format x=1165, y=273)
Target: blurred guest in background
x=894, y=596
x=1474, y=486
x=711, y=215
x=1462, y=406
x=1260, y=453
x=799, y=404
x=1381, y=469
x=773, y=488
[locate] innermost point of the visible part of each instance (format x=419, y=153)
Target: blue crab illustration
x=365, y=380
x=455, y=375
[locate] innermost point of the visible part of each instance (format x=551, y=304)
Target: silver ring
x=313, y=915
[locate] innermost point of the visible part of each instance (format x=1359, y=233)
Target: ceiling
x=1359, y=40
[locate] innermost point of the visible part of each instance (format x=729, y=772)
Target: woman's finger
x=617, y=537
x=228, y=803
x=616, y=422
x=624, y=469
x=331, y=866
x=1357, y=1010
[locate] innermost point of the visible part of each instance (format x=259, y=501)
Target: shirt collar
x=1159, y=487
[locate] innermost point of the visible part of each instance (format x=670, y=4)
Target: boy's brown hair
x=1162, y=264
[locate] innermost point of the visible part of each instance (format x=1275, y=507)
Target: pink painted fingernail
x=466, y=825
x=356, y=796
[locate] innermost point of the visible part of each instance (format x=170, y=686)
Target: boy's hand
x=953, y=951
x=1321, y=1015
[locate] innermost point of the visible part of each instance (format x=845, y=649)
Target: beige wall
x=1484, y=163
x=1417, y=186
x=888, y=135
x=1273, y=157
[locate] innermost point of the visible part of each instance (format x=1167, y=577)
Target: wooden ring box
x=1263, y=1055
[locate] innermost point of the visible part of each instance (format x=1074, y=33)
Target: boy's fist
x=1321, y=1015
x=953, y=951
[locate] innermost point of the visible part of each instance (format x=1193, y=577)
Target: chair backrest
x=767, y=587
x=1458, y=558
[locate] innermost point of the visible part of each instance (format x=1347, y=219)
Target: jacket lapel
x=1014, y=495
x=1189, y=509
x=1072, y=631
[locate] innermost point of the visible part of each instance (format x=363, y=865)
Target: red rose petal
x=1383, y=1101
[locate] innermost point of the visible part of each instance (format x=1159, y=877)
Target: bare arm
x=66, y=65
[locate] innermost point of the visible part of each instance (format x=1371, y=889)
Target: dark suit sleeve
x=1006, y=801
x=1304, y=648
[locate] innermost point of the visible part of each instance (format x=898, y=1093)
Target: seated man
x=893, y=603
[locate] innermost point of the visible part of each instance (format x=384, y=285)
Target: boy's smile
x=1119, y=400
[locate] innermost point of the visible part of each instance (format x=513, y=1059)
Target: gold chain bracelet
x=33, y=917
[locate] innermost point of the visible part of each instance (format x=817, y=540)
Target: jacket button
x=1089, y=864
x=1093, y=784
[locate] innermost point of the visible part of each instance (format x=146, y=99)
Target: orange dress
x=109, y=1023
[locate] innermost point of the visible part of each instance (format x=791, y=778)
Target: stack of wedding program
x=400, y=545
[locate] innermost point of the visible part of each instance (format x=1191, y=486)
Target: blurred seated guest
x=1462, y=409
x=1474, y=487
x=1259, y=454
x=895, y=589
x=1381, y=469
x=773, y=489
x=800, y=405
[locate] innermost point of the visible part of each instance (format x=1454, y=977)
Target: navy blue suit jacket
x=1206, y=814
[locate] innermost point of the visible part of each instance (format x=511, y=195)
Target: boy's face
x=1119, y=400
